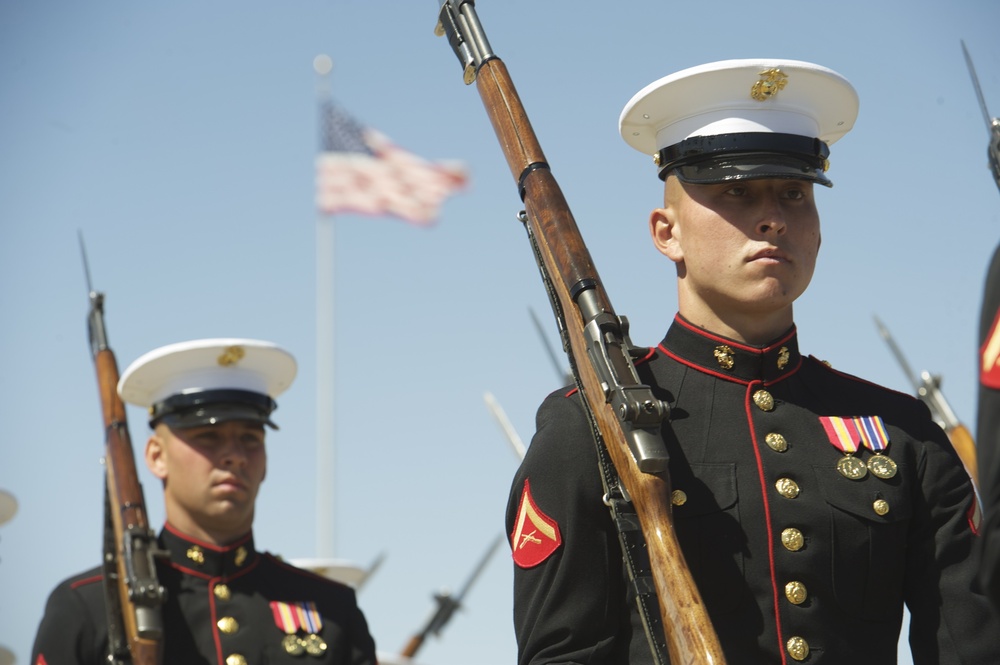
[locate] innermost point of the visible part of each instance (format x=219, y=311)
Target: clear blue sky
x=180, y=137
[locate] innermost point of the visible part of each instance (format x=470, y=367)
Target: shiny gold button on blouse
x=792, y=539
x=797, y=648
x=222, y=592
x=763, y=400
x=776, y=442
x=228, y=625
x=787, y=488
x=796, y=593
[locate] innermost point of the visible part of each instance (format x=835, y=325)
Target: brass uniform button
x=776, y=442
x=787, y=488
x=228, y=625
x=725, y=356
x=797, y=648
x=881, y=507
x=796, y=593
x=792, y=539
x=678, y=497
x=196, y=555
x=222, y=592
x=236, y=659
x=763, y=400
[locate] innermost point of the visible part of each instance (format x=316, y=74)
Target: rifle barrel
x=132, y=544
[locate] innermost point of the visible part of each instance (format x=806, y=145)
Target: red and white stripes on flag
x=359, y=170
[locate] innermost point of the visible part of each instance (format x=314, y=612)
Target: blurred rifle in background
x=992, y=124
x=928, y=389
x=447, y=604
x=132, y=591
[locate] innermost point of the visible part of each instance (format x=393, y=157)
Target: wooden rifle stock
x=625, y=413
x=135, y=628
x=963, y=443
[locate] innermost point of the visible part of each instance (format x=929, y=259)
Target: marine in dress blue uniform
x=810, y=505
x=226, y=602
x=988, y=426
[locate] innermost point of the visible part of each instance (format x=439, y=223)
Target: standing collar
x=730, y=359
x=207, y=560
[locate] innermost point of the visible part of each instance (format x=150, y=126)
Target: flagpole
x=325, y=397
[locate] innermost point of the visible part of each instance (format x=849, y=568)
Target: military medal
x=851, y=467
x=314, y=645
x=843, y=435
x=293, y=645
x=882, y=466
x=293, y=618
x=876, y=439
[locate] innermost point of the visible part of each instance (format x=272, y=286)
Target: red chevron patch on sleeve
x=536, y=535
x=989, y=368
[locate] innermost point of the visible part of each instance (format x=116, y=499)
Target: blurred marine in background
x=988, y=422
x=226, y=603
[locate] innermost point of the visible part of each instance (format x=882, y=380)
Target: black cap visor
x=755, y=155
x=747, y=167
x=211, y=407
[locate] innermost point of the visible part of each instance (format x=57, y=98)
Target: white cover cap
x=209, y=380
x=740, y=97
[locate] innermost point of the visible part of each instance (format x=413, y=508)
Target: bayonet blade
x=992, y=124
x=979, y=90
x=910, y=375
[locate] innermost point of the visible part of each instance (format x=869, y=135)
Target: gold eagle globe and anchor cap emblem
x=771, y=81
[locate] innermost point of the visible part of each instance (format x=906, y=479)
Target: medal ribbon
x=291, y=617
x=285, y=617
x=309, y=617
x=873, y=433
x=842, y=432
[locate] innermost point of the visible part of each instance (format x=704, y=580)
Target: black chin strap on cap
x=753, y=154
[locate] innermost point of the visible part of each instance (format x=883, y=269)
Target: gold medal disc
x=293, y=645
x=851, y=467
x=315, y=646
x=881, y=466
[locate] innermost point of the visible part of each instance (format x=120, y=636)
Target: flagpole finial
x=323, y=64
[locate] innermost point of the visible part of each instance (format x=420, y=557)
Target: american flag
x=359, y=170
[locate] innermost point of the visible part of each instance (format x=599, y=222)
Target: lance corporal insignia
x=536, y=535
